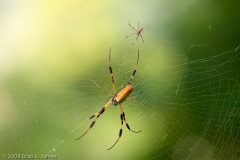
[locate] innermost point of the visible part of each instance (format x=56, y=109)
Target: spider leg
x=134, y=71
x=142, y=37
x=98, y=114
x=92, y=116
x=130, y=35
x=131, y=26
x=131, y=98
x=102, y=89
x=136, y=39
x=120, y=131
x=111, y=72
x=146, y=28
x=100, y=111
x=124, y=118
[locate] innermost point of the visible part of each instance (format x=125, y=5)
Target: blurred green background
x=187, y=80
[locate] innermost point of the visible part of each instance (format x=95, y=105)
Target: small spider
x=138, y=32
x=115, y=100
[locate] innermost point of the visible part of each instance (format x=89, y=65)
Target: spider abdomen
x=123, y=94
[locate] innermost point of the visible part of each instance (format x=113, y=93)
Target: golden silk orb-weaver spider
x=138, y=32
x=115, y=100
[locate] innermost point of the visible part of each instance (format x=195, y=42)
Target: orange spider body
x=122, y=95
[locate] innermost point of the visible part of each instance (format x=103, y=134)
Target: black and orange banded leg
x=98, y=114
x=92, y=116
x=120, y=131
x=124, y=118
x=111, y=72
x=135, y=70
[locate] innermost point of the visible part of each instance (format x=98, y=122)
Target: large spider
x=115, y=100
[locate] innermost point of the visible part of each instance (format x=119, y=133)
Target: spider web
x=187, y=81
